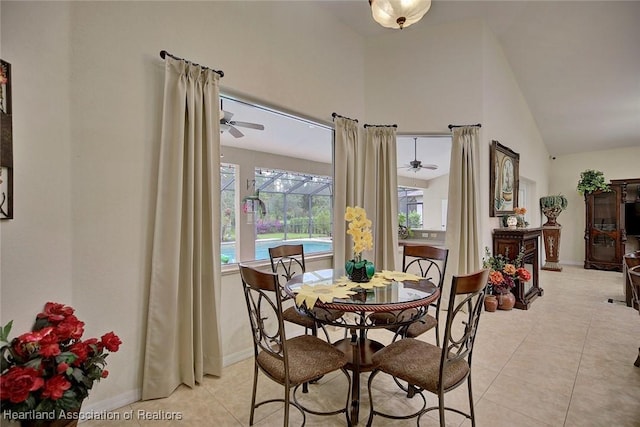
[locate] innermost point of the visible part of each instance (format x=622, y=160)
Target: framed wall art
x=6, y=143
x=504, y=179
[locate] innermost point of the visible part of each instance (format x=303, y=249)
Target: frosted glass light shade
x=398, y=13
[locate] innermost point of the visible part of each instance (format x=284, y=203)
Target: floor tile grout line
x=584, y=345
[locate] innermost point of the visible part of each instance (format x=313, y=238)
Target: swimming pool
x=262, y=247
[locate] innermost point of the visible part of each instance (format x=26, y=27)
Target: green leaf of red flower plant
x=4, y=332
x=35, y=363
x=66, y=357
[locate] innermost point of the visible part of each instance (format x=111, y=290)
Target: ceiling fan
x=227, y=124
x=415, y=165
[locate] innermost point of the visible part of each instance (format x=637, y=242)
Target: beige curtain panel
x=183, y=332
x=347, y=171
x=365, y=175
x=380, y=195
x=463, y=212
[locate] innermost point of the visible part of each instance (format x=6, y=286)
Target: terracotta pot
x=490, y=303
x=506, y=301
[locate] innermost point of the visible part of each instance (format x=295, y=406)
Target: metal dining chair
x=428, y=262
x=435, y=369
x=289, y=362
x=634, y=279
x=287, y=261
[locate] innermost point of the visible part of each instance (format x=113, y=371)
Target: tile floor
x=567, y=361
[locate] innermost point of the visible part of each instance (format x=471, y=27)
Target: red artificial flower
x=18, y=382
x=91, y=343
x=49, y=346
x=104, y=373
x=55, y=312
x=111, y=341
x=29, y=343
x=70, y=328
x=55, y=387
x=62, y=368
x=523, y=274
x=80, y=349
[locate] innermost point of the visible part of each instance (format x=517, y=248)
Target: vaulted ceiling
x=577, y=64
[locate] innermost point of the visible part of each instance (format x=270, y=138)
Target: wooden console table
x=508, y=242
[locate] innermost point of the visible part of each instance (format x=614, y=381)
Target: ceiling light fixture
x=398, y=13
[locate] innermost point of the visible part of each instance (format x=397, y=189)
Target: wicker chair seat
x=418, y=363
x=309, y=358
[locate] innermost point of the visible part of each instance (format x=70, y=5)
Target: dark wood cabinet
x=508, y=242
x=604, y=233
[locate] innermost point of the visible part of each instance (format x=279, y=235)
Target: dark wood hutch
x=508, y=242
x=605, y=232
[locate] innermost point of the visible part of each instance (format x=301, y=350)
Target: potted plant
x=404, y=231
x=503, y=275
x=590, y=181
x=359, y=270
x=551, y=206
x=48, y=372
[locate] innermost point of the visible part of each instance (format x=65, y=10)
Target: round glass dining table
x=386, y=301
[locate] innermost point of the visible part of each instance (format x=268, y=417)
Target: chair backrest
x=463, y=315
x=427, y=261
x=632, y=259
x=264, y=305
x=287, y=260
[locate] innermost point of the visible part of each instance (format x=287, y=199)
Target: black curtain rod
x=164, y=53
x=379, y=126
x=461, y=126
x=334, y=115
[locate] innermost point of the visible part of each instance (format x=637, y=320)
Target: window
x=410, y=207
x=423, y=180
x=287, y=161
x=227, y=213
x=298, y=211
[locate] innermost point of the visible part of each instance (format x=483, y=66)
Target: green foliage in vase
x=590, y=181
x=557, y=202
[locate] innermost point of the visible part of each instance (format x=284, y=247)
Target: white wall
x=565, y=171
x=437, y=190
x=507, y=119
x=87, y=108
x=36, y=245
x=427, y=77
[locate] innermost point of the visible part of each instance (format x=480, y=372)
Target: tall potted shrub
x=551, y=207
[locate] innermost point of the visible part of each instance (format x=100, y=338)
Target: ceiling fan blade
x=248, y=125
x=235, y=132
x=430, y=167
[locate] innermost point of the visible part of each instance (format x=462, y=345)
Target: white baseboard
x=112, y=403
x=230, y=359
